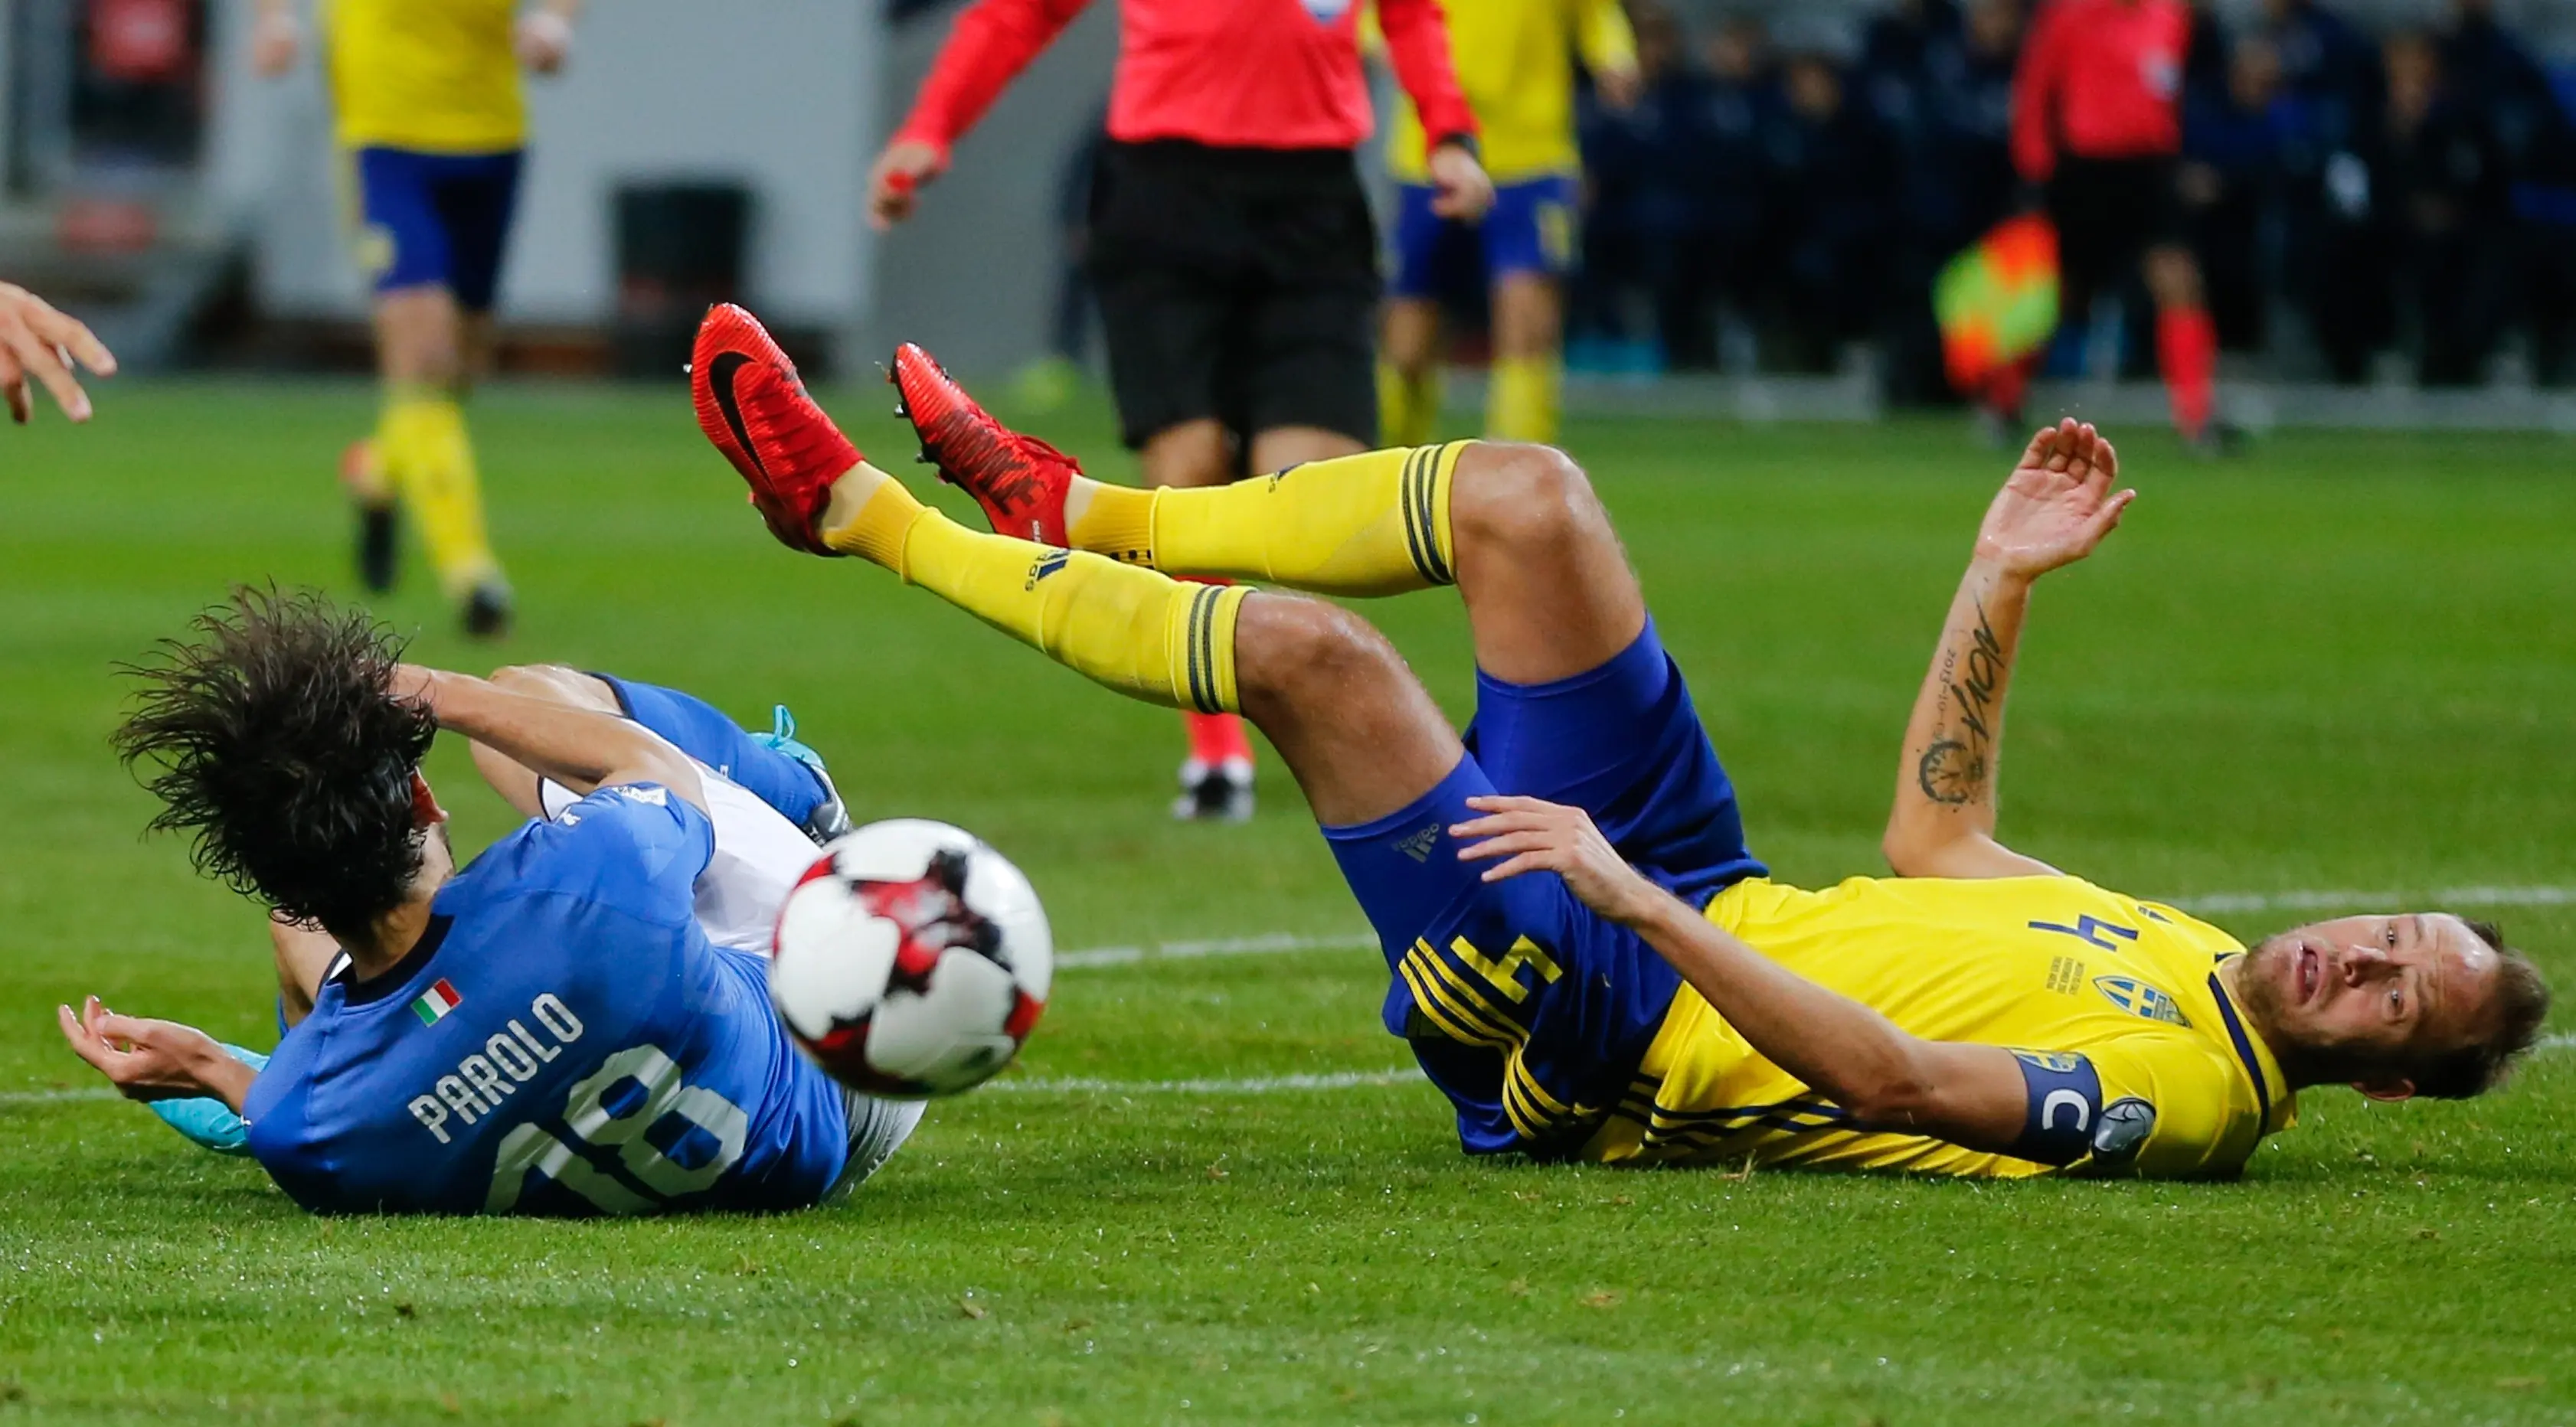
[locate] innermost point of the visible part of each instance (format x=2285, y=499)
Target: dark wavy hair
x=2521, y=1008
x=272, y=738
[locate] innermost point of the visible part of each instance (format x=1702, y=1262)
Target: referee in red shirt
x=1231, y=244
x=2097, y=120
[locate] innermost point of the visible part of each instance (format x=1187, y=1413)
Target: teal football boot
x=831, y=817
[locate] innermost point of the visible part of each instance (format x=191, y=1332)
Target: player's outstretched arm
x=39, y=342
x=2053, y=510
x=991, y=43
x=1971, y=1095
x=583, y=749
x=155, y=1060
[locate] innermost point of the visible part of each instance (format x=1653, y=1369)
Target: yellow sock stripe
x=1194, y=643
x=1207, y=647
x=1428, y=488
x=1443, y=468
x=1468, y=1001
x=1421, y=496
x=1430, y=1008
x=1407, y=507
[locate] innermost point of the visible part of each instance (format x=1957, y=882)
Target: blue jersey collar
x=354, y=992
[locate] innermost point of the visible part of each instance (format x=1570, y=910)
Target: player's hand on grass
x=544, y=41
x=1462, y=190
x=39, y=342
x=894, y=185
x=2058, y=503
x=1532, y=835
x=153, y=1060
x=276, y=40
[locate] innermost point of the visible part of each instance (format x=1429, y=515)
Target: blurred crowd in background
x=2365, y=202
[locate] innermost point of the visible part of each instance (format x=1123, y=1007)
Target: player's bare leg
x=1191, y=454
x=1216, y=773
x=1355, y=727
x=1408, y=371
x=1523, y=391
x=422, y=456
x=1279, y=447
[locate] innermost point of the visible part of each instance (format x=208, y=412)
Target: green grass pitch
x=2341, y=665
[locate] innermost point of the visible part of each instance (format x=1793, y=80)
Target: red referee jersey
x=1265, y=74
x=2100, y=79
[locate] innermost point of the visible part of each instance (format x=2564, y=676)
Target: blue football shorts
x=1530, y=229
x=436, y=220
x=1524, y=1006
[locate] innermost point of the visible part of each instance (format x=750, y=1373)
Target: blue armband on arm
x=2065, y=1102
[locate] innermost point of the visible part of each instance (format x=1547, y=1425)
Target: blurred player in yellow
x=1516, y=61
x=433, y=125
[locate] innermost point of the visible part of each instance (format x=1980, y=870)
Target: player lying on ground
x=38, y=341
x=1565, y=895
x=550, y=1030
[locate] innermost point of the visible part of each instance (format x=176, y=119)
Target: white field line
x=2215, y=903
x=1255, y=1085
x=2317, y=900
x=1271, y=945
x=1032, y=1085
x=1281, y=944
x=1082, y=1085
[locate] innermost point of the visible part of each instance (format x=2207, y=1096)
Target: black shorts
x=2108, y=213
x=1240, y=284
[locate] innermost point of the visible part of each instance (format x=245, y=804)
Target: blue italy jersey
x=564, y=1040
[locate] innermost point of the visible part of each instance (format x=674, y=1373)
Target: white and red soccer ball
x=911, y=959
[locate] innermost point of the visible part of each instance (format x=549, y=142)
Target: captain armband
x=2066, y=1120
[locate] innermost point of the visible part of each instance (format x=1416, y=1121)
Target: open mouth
x=2310, y=970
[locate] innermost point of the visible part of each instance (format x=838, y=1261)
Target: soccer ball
x=911, y=960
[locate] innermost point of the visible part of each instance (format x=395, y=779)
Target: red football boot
x=1020, y=481
x=754, y=408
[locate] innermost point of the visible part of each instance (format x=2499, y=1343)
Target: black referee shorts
x=1240, y=284
x=2108, y=213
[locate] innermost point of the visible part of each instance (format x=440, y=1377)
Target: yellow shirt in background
x=1515, y=59
x=2053, y=968
x=439, y=76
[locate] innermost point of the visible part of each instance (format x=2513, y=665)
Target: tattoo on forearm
x=1958, y=766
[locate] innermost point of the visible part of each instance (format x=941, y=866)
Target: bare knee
x=1521, y=498
x=2173, y=277
x=1290, y=651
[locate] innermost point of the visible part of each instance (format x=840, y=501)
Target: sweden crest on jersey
x=2140, y=999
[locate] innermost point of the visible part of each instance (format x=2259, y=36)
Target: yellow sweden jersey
x=1515, y=59
x=2054, y=968
x=436, y=76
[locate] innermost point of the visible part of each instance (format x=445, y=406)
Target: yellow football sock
x=1408, y=408
x=1521, y=399
x=1134, y=630
x=1371, y=524
x=430, y=460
